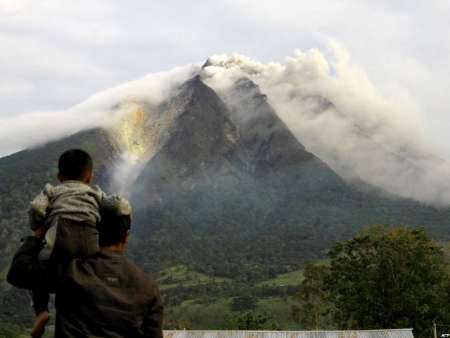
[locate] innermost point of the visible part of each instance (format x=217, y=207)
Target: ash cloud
x=329, y=104
x=332, y=107
x=101, y=110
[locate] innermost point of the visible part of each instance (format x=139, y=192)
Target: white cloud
x=62, y=51
x=101, y=110
x=400, y=45
x=362, y=134
x=15, y=88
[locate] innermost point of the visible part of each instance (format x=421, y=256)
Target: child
x=68, y=213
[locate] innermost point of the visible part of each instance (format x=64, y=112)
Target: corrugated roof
x=395, y=333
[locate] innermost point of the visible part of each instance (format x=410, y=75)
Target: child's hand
x=40, y=232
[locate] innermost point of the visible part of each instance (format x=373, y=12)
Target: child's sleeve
x=39, y=207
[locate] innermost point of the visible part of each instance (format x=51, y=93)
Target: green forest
x=234, y=272
x=393, y=277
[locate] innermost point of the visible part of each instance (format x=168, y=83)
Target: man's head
x=75, y=165
x=115, y=224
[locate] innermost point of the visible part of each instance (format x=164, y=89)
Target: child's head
x=75, y=165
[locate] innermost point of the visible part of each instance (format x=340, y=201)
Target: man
x=102, y=296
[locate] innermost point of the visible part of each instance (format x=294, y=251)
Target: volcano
x=221, y=182
x=221, y=185
x=230, y=186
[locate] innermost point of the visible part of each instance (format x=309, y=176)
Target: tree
x=243, y=303
x=174, y=324
x=250, y=321
x=389, y=278
x=313, y=310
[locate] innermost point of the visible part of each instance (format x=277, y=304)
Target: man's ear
x=88, y=177
x=60, y=177
x=127, y=237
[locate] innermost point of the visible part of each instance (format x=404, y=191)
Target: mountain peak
x=207, y=63
x=195, y=81
x=199, y=130
x=195, y=89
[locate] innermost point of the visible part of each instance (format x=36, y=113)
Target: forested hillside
x=227, y=210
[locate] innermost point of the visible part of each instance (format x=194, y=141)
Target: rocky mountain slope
x=243, y=197
x=223, y=187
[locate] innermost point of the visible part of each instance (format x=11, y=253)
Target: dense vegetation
x=383, y=278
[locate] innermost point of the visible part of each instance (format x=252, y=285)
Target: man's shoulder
x=144, y=278
x=121, y=266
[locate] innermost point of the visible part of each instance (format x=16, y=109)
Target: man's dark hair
x=74, y=164
x=112, y=227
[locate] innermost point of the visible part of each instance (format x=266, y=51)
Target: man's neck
x=73, y=181
x=118, y=248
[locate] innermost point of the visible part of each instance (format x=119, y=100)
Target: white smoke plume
x=327, y=102
x=336, y=112
x=101, y=110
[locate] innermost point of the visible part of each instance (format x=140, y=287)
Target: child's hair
x=74, y=164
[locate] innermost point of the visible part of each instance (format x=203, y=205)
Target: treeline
x=383, y=278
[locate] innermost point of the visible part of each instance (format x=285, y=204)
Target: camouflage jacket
x=73, y=200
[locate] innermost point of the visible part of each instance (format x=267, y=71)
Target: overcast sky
x=56, y=53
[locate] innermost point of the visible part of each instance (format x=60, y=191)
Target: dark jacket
x=102, y=296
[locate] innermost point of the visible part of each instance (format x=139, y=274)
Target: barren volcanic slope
x=239, y=196
x=223, y=192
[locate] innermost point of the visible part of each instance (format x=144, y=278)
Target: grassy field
x=293, y=278
x=280, y=310
x=202, y=315
x=214, y=315
x=179, y=275
x=211, y=311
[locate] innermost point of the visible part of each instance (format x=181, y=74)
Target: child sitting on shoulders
x=68, y=213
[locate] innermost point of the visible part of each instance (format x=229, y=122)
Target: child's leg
x=38, y=329
x=40, y=299
x=74, y=240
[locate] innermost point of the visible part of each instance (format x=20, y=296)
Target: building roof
x=394, y=333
